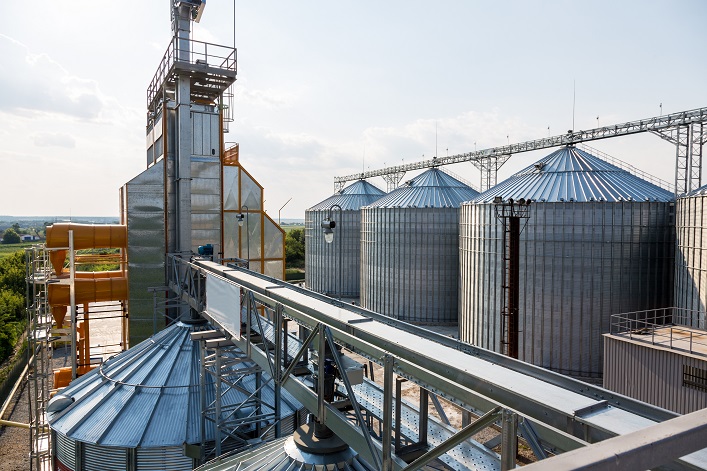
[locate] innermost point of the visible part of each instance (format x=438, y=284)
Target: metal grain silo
x=141, y=408
x=410, y=249
x=599, y=241
x=691, y=257
x=323, y=272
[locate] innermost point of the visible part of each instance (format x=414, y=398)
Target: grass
x=8, y=249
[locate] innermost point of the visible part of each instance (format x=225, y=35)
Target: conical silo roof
x=430, y=189
x=571, y=174
x=360, y=193
x=698, y=191
x=146, y=397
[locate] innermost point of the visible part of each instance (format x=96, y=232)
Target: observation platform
x=212, y=68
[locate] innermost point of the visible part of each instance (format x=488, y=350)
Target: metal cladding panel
x=410, y=263
x=274, y=268
x=206, y=203
x=250, y=244
x=359, y=193
x=251, y=193
x=170, y=458
x=146, y=246
x=328, y=264
x=146, y=397
x=579, y=264
x=65, y=450
x=652, y=374
x=99, y=458
x=691, y=254
x=273, y=240
x=431, y=189
x=571, y=174
x=230, y=235
x=230, y=188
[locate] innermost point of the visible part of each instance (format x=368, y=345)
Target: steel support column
x=489, y=167
x=697, y=136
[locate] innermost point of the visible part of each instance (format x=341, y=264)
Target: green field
x=9, y=249
x=291, y=227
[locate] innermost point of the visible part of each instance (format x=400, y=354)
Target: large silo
x=410, y=250
x=599, y=241
x=142, y=408
x=328, y=264
x=690, y=257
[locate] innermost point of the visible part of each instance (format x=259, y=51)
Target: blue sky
x=329, y=88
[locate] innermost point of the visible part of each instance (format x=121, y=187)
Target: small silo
x=690, y=260
x=328, y=264
x=599, y=241
x=410, y=250
x=139, y=409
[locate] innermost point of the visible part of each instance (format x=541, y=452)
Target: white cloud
x=34, y=83
x=54, y=139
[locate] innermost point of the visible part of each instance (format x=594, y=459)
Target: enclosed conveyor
x=86, y=236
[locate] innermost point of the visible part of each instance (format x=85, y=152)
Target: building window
x=694, y=377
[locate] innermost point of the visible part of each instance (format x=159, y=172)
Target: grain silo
x=690, y=261
x=328, y=264
x=142, y=410
x=599, y=241
x=410, y=249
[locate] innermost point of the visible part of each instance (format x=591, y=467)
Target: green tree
x=16, y=227
x=11, y=237
x=294, y=251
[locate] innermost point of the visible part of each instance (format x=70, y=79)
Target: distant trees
x=11, y=237
x=294, y=252
x=12, y=302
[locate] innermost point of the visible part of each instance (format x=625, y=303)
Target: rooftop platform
x=671, y=328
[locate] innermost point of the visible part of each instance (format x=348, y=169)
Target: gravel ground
x=14, y=441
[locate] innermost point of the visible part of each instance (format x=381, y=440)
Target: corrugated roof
x=571, y=174
x=431, y=189
x=147, y=396
x=359, y=193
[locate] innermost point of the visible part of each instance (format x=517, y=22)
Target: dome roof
x=147, y=396
x=571, y=174
x=431, y=189
x=357, y=194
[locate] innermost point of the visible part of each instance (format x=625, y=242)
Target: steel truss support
x=226, y=367
x=37, y=273
x=393, y=179
x=489, y=167
x=660, y=125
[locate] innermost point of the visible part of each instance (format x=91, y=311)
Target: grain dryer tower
x=599, y=241
x=193, y=192
x=335, y=267
x=410, y=249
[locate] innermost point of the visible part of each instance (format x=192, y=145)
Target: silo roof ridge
x=432, y=189
x=571, y=174
x=360, y=193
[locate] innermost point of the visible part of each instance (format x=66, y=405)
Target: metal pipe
x=72, y=302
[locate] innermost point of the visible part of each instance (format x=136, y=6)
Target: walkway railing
x=674, y=328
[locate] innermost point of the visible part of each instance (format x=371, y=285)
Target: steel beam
x=656, y=125
x=644, y=449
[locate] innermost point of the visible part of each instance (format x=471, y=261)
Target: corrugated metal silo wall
x=322, y=271
x=410, y=263
x=580, y=263
x=146, y=247
x=653, y=375
x=691, y=256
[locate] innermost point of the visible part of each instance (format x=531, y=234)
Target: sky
x=331, y=88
